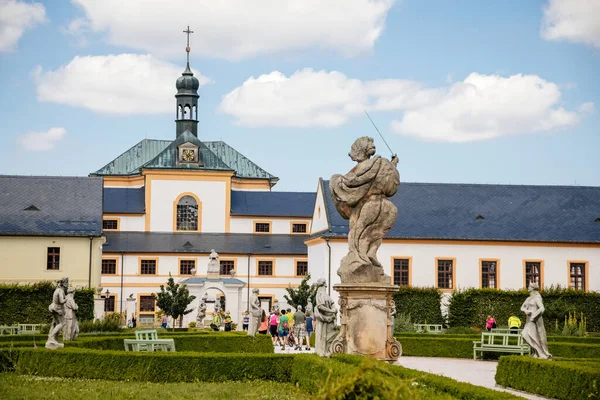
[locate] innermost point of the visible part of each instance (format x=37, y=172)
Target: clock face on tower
x=187, y=155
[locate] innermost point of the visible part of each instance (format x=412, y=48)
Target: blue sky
x=463, y=91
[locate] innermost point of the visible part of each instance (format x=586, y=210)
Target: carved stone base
x=52, y=344
x=366, y=329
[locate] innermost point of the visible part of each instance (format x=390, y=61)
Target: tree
x=301, y=295
x=174, y=300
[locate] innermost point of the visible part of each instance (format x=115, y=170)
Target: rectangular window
x=226, y=266
x=265, y=268
x=110, y=224
x=401, y=272
x=577, y=275
x=109, y=304
x=53, y=260
x=532, y=272
x=148, y=267
x=262, y=227
x=445, y=273
x=186, y=266
x=301, y=268
x=146, y=303
x=489, y=274
x=299, y=228
x=109, y=267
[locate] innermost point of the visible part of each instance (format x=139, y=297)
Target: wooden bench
x=9, y=330
x=431, y=328
x=29, y=329
x=498, y=341
x=147, y=340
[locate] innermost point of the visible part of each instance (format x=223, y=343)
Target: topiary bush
x=565, y=380
x=421, y=303
x=28, y=303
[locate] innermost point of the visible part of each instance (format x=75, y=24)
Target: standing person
x=227, y=321
x=490, y=323
x=245, y=321
x=264, y=323
x=299, y=327
x=133, y=322
x=514, y=323
x=534, y=332
x=309, y=329
x=273, y=324
x=284, y=328
x=164, y=321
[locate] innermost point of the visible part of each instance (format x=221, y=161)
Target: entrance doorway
x=265, y=303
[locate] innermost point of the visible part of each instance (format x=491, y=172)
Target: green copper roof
x=162, y=154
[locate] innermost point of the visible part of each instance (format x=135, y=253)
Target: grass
x=13, y=386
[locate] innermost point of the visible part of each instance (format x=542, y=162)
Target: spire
x=187, y=96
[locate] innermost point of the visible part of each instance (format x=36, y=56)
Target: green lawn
x=13, y=386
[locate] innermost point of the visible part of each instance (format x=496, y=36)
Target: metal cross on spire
x=187, y=47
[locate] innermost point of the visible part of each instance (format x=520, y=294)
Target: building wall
x=212, y=195
x=278, y=225
x=319, y=214
x=129, y=223
x=135, y=284
x=24, y=259
x=467, y=257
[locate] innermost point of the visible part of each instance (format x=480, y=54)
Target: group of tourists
x=289, y=329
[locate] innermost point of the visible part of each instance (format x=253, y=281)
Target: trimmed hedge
x=28, y=304
x=442, y=346
x=563, y=380
x=423, y=304
x=460, y=390
x=470, y=307
x=342, y=376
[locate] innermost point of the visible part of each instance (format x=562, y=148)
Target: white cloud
x=116, y=84
x=480, y=107
x=77, y=29
x=41, y=141
x=235, y=30
x=15, y=18
x=576, y=21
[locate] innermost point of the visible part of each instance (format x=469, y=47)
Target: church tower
x=187, y=97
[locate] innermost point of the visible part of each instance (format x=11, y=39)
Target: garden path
x=480, y=373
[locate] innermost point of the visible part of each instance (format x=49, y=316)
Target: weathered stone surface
x=57, y=308
x=325, y=316
x=366, y=318
x=201, y=312
x=71, y=328
x=214, y=267
x=255, y=313
x=361, y=196
x=534, y=332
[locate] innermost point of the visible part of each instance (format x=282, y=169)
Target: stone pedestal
x=99, y=307
x=365, y=310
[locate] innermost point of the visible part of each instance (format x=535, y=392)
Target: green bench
x=500, y=341
x=431, y=328
x=147, y=340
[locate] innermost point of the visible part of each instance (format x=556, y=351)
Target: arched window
x=179, y=112
x=187, y=214
x=187, y=112
x=194, y=113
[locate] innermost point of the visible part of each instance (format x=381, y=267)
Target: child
x=246, y=321
x=227, y=322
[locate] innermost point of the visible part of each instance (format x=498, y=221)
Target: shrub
x=113, y=322
x=470, y=307
x=28, y=304
x=423, y=304
x=403, y=323
x=564, y=380
x=192, y=324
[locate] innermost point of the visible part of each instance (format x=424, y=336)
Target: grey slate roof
x=125, y=200
x=510, y=213
x=68, y=206
x=267, y=204
x=150, y=153
x=226, y=243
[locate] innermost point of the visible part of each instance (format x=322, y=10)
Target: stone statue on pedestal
x=214, y=267
x=309, y=308
x=71, y=329
x=201, y=312
x=255, y=313
x=276, y=305
x=534, y=331
x=57, y=308
x=325, y=316
x=361, y=196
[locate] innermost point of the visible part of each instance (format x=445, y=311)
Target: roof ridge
x=493, y=184
x=50, y=176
